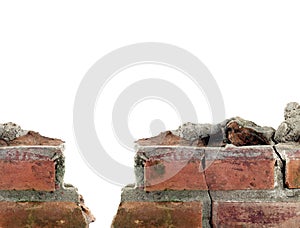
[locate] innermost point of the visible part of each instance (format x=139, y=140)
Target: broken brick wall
x=232, y=174
x=32, y=190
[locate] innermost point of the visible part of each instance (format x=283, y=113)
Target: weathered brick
x=293, y=173
x=176, y=175
x=256, y=214
x=26, y=168
x=177, y=168
x=158, y=214
x=240, y=168
x=291, y=155
x=42, y=214
x=23, y=175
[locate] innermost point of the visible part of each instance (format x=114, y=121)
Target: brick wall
x=32, y=191
x=232, y=174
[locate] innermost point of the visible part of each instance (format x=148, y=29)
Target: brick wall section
x=32, y=191
x=251, y=178
x=245, y=186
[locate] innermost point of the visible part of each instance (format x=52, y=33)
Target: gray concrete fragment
x=289, y=130
x=192, y=131
x=10, y=131
x=214, y=133
x=292, y=110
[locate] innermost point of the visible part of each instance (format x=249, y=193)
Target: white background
x=252, y=48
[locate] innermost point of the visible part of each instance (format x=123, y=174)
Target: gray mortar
x=59, y=160
x=279, y=170
x=10, y=131
x=276, y=195
x=139, y=171
x=131, y=194
x=66, y=194
x=289, y=129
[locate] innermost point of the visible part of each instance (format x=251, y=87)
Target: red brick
x=45, y=214
x=175, y=169
x=23, y=175
x=256, y=214
x=292, y=172
x=240, y=169
x=158, y=214
x=175, y=175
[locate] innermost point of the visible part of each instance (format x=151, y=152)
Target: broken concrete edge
x=12, y=134
x=209, y=197
x=208, y=155
x=30, y=153
x=237, y=131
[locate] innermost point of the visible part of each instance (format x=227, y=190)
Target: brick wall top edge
x=58, y=147
x=289, y=151
x=24, y=153
x=139, y=147
x=262, y=152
